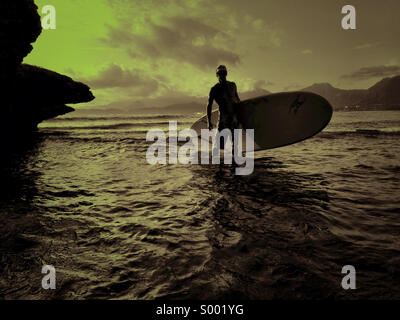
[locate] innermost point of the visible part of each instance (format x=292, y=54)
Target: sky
x=144, y=53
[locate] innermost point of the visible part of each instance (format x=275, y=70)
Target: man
x=225, y=94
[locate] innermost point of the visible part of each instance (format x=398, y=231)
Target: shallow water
x=84, y=200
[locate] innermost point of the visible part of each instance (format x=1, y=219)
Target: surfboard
x=279, y=119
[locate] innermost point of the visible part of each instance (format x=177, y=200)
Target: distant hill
x=195, y=106
x=189, y=107
x=339, y=98
x=383, y=95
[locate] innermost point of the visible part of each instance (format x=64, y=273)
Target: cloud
x=201, y=33
x=114, y=76
x=366, y=46
x=171, y=97
x=262, y=84
x=306, y=51
x=373, y=72
x=178, y=38
x=70, y=71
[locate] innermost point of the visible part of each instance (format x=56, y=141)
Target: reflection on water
x=20, y=252
x=86, y=201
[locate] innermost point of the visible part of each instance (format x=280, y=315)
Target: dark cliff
x=29, y=94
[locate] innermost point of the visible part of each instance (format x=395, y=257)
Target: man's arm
x=237, y=102
x=236, y=93
x=209, y=108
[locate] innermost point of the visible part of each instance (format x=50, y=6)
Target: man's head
x=222, y=72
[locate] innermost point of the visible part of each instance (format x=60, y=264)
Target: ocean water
x=83, y=199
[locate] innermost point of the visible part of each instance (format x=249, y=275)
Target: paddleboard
x=279, y=119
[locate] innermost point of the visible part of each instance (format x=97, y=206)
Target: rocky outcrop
x=19, y=27
x=29, y=94
x=46, y=87
x=44, y=93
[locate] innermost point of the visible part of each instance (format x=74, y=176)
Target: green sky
x=159, y=52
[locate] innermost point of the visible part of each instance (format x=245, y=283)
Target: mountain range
x=384, y=95
x=197, y=104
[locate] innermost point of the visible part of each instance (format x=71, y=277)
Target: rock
x=42, y=94
x=42, y=86
x=29, y=94
x=19, y=27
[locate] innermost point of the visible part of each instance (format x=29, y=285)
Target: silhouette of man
x=226, y=96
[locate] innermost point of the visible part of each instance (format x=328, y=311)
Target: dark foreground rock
x=19, y=27
x=29, y=94
x=44, y=87
x=42, y=94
